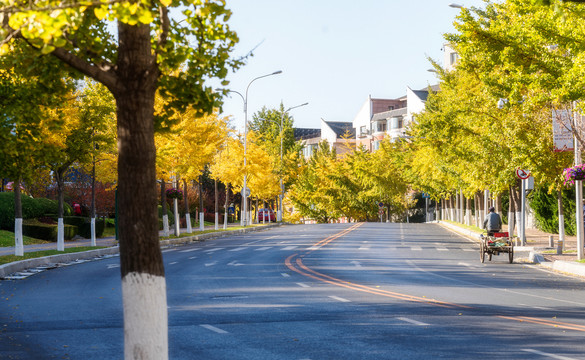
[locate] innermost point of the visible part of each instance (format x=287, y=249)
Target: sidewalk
x=537, y=244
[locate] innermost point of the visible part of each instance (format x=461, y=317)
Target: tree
x=146, y=56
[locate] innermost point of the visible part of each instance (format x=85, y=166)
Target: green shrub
x=545, y=207
x=75, y=220
x=39, y=230
x=169, y=213
x=84, y=229
x=31, y=209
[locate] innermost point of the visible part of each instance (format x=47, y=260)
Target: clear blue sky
x=334, y=53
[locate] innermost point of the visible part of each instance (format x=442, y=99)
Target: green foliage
x=36, y=254
x=39, y=230
x=31, y=208
x=7, y=239
x=84, y=229
x=545, y=206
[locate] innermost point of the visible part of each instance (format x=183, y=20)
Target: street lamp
x=245, y=187
x=280, y=212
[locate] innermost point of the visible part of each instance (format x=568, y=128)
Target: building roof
x=306, y=133
x=389, y=114
x=340, y=128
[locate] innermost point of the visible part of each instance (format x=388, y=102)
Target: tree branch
x=108, y=78
x=165, y=25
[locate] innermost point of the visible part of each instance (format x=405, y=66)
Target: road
x=299, y=292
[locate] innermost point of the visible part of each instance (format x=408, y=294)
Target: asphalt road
x=336, y=291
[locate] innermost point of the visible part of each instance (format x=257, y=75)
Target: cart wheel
x=481, y=252
x=511, y=255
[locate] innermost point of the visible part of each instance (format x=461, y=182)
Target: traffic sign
x=246, y=193
x=522, y=174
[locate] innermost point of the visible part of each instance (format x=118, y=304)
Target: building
x=380, y=118
x=339, y=135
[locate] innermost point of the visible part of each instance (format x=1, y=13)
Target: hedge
x=39, y=230
x=31, y=209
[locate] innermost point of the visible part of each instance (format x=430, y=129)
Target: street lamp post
x=245, y=187
x=280, y=208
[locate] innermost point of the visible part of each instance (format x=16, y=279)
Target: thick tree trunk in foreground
x=143, y=282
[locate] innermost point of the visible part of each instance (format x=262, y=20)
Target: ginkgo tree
x=149, y=48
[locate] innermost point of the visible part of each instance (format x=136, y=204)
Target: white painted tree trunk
x=201, y=221
x=93, y=239
x=145, y=317
x=165, y=225
x=216, y=221
x=177, y=219
x=511, y=223
x=18, y=238
x=60, y=235
x=188, y=220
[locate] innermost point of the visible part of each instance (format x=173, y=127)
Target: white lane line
x=303, y=285
x=235, y=263
x=552, y=356
x=112, y=266
x=356, y=263
x=290, y=248
x=264, y=248
x=189, y=250
x=464, y=264
x=414, y=322
x=313, y=248
x=214, y=329
x=193, y=257
x=173, y=263
x=285, y=275
x=238, y=249
x=442, y=249
x=339, y=298
x=168, y=250
x=467, y=249
x=392, y=249
x=364, y=248
x=211, y=263
x=213, y=250
x=415, y=248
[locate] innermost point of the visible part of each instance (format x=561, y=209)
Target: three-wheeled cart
x=499, y=243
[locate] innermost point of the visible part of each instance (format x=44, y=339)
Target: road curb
x=22, y=265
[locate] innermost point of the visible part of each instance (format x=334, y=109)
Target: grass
x=207, y=231
x=7, y=239
x=36, y=254
x=468, y=227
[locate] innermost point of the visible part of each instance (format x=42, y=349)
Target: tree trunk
x=60, y=200
x=515, y=200
x=227, y=204
x=142, y=270
x=468, y=211
x=201, y=213
x=216, y=206
x=18, y=238
x=477, y=203
x=561, y=220
x=163, y=204
x=187, y=210
x=93, y=237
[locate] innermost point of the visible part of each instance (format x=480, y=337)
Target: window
x=391, y=107
x=453, y=58
x=381, y=126
x=376, y=145
x=396, y=123
x=363, y=131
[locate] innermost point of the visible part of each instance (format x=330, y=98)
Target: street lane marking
x=556, y=324
x=468, y=249
x=339, y=298
x=173, y=263
x=211, y=263
x=264, y=248
x=415, y=248
x=168, y=250
x=285, y=275
x=214, y=329
x=238, y=249
x=235, y=263
x=213, y=250
x=193, y=257
x=290, y=248
x=552, y=356
x=442, y=249
x=364, y=248
x=356, y=263
x=112, y=266
x=464, y=264
x=189, y=250
x=303, y=285
x=414, y=322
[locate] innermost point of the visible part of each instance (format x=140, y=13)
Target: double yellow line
x=295, y=263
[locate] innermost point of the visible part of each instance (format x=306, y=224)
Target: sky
x=334, y=53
